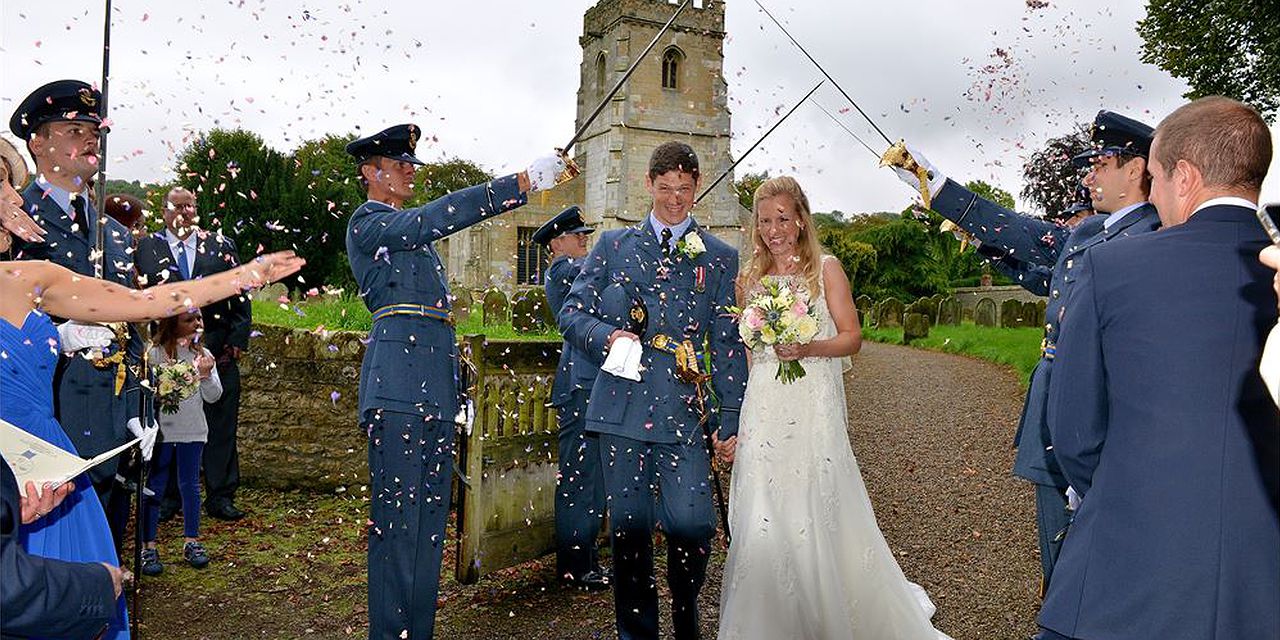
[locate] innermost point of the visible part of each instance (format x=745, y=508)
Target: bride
x=807, y=558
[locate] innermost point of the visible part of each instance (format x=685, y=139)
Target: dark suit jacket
x=227, y=323
x=1160, y=420
x=45, y=596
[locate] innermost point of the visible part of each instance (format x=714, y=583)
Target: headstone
x=461, y=302
x=1011, y=313
x=1032, y=314
x=986, y=314
x=949, y=311
x=528, y=311
x=1040, y=305
x=495, y=307
x=271, y=292
x=865, y=305
x=929, y=307
x=914, y=327
x=889, y=313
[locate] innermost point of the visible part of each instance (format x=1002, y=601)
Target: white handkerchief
x=623, y=359
x=1270, y=365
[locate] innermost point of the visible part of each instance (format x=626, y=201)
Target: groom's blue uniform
x=1036, y=242
x=409, y=394
x=653, y=454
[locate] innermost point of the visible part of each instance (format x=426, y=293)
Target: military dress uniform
x=95, y=390
x=580, y=499
x=1032, y=276
x=409, y=389
x=650, y=436
x=1038, y=242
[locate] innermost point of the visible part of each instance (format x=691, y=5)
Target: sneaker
x=194, y=554
x=151, y=565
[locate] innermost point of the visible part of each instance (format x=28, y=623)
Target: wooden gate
x=507, y=505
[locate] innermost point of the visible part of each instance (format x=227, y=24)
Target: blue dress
x=76, y=530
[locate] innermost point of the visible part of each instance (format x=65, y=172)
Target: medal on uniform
x=699, y=279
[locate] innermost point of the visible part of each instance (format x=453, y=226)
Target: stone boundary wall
x=969, y=296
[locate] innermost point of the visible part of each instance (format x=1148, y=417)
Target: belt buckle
x=662, y=342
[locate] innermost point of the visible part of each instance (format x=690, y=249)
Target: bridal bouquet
x=778, y=314
x=175, y=381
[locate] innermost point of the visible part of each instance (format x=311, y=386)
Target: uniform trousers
x=580, y=501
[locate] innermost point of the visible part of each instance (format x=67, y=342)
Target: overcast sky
x=495, y=82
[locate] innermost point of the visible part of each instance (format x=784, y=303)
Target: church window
x=671, y=68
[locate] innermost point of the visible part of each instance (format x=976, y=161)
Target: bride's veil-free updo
x=808, y=249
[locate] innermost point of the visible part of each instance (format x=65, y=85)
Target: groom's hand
x=724, y=448
x=618, y=333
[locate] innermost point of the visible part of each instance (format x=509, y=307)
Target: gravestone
x=528, y=311
x=271, y=292
x=1040, y=305
x=950, y=311
x=929, y=307
x=495, y=307
x=1011, y=313
x=966, y=314
x=915, y=327
x=985, y=314
x=865, y=305
x=889, y=313
x=461, y=302
x=1032, y=314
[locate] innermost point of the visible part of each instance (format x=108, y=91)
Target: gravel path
x=932, y=434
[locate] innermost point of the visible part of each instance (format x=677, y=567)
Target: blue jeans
x=186, y=457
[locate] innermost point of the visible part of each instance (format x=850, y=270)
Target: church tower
x=677, y=93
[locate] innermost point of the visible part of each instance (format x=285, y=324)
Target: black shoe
x=195, y=555
x=151, y=565
x=225, y=512
x=591, y=581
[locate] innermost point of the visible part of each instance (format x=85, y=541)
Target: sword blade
x=824, y=72
x=621, y=81
x=100, y=195
x=846, y=129
x=753, y=147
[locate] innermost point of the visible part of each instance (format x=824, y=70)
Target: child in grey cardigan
x=184, y=433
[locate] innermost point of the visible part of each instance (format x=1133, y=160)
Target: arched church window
x=671, y=68
x=601, y=73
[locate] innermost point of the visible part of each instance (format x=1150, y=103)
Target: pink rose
x=753, y=318
x=799, y=308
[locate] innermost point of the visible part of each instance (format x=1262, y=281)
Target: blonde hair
x=808, y=249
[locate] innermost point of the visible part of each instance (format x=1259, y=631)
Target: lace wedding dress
x=807, y=560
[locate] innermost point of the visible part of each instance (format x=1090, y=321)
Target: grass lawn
x=348, y=313
x=1017, y=347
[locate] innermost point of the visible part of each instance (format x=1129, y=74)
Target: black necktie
x=666, y=242
x=81, y=217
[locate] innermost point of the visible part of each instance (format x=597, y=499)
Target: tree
x=991, y=193
x=1220, y=47
x=321, y=192
x=746, y=187
x=1049, y=181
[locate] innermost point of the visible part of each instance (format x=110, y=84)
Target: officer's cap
x=1082, y=202
x=397, y=143
x=1114, y=134
x=567, y=221
x=58, y=101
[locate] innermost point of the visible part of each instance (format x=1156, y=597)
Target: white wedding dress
x=807, y=559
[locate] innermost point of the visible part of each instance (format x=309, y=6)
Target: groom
x=661, y=282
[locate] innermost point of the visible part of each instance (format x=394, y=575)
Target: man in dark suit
x=184, y=251
x=1118, y=185
x=580, y=501
x=42, y=596
x=409, y=403
x=662, y=283
x=95, y=390
x=1159, y=417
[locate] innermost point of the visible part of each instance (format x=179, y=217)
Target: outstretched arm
x=65, y=293
x=411, y=228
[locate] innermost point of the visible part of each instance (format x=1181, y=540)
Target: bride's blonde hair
x=808, y=249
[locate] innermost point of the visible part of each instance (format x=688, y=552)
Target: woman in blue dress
x=76, y=530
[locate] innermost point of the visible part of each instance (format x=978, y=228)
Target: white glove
x=1073, y=499
x=148, y=435
x=544, y=172
x=936, y=179
x=80, y=335
x=623, y=359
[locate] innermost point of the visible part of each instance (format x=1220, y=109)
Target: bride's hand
x=788, y=352
x=724, y=448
